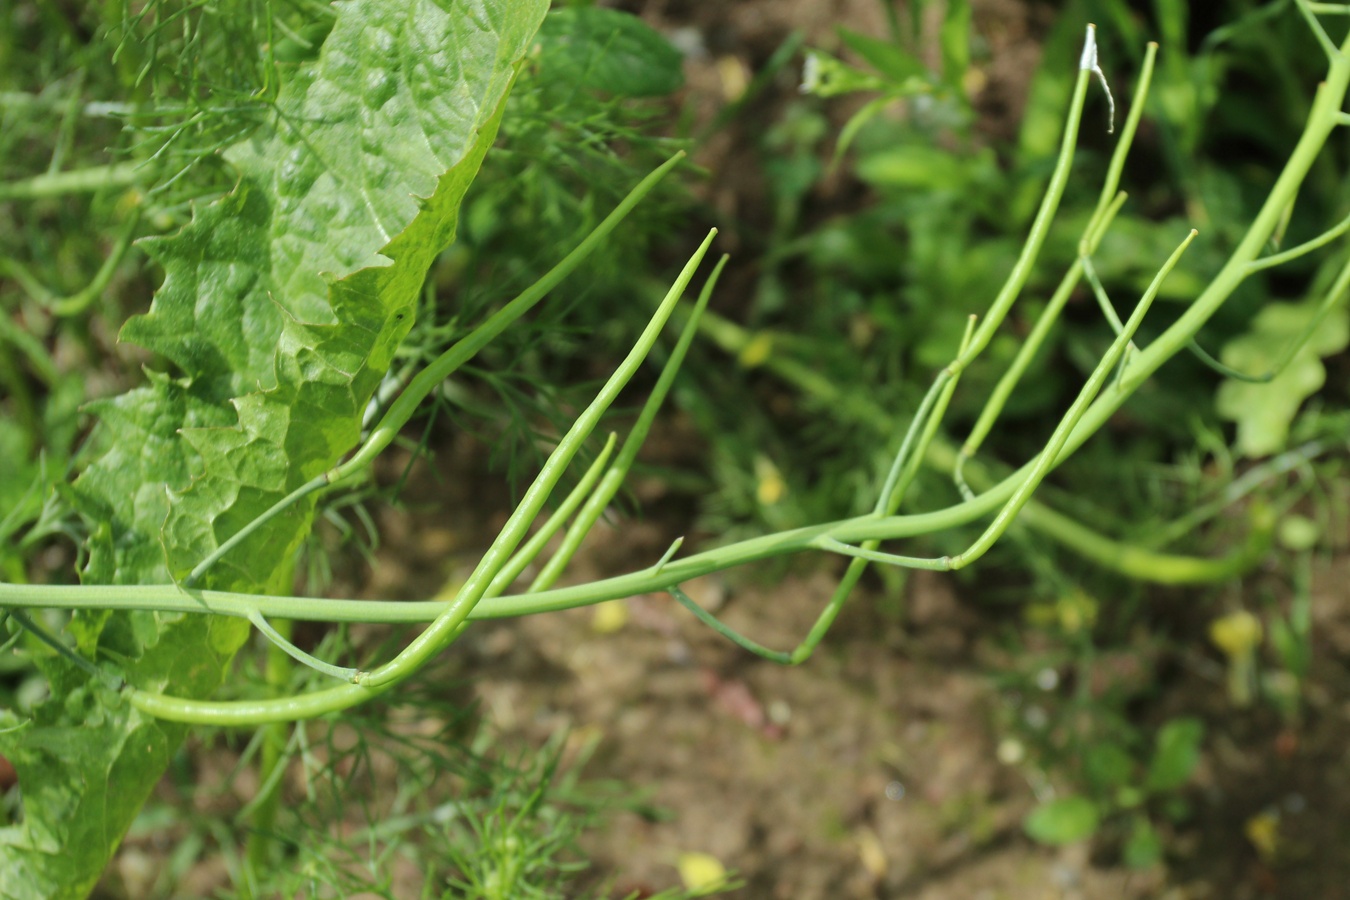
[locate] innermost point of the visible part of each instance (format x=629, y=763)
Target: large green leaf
x=1264, y=412
x=610, y=51
x=281, y=307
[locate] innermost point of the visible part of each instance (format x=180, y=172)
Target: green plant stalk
x=1146, y=565
x=911, y=469
x=1131, y=560
x=1127, y=559
x=535, y=545
x=1040, y=227
x=610, y=484
x=259, y=843
x=740, y=640
x=1097, y=224
x=1309, y=14
x=1109, y=202
x=1017, y=278
x=1026, y=353
x=1322, y=121
x=1044, y=461
x=863, y=528
x=1333, y=297
x=1284, y=256
x=78, y=302
x=892, y=496
x=422, y=384
x=280, y=640
x=77, y=181
x=451, y=621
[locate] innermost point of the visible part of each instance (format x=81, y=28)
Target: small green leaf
x=885, y=57
x=1298, y=533
x=305, y=45
x=916, y=166
x=1264, y=412
x=1063, y=821
x=1107, y=766
x=1176, y=755
x=609, y=51
x=954, y=37
x=1144, y=846
x=825, y=76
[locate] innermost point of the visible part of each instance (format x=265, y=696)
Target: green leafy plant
x=283, y=304
x=1122, y=787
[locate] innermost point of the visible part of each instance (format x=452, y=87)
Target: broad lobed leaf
x=281, y=308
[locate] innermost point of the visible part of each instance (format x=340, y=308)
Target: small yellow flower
x=1238, y=634
x=609, y=617
x=756, y=351
x=700, y=871
x=770, y=487
x=1263, y=830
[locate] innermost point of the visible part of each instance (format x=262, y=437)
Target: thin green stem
x=1111, y=186
x=1045, y=461
x=868, y=553
x=930, y=430
x=892, y=495
x=1099, y=292
x=283, y=643
x=451, y=621
x=535, y=545
x=1031, y=346
x=740, y=640
x=1323, y=118
x=609, y=485
x=1108, y=198
x=1147, y=565
x=666, y=557
x=1330, y=300
x=916, y=427
x=77, y=181
x=271, y=765
x=1040, y=227
x=1309, y=15
x=21, y=616
x=1141, y=564
x=1109, y=203
x=1278, y=259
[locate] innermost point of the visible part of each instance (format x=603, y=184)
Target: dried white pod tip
x=1089, y=58
x=1089, y=62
